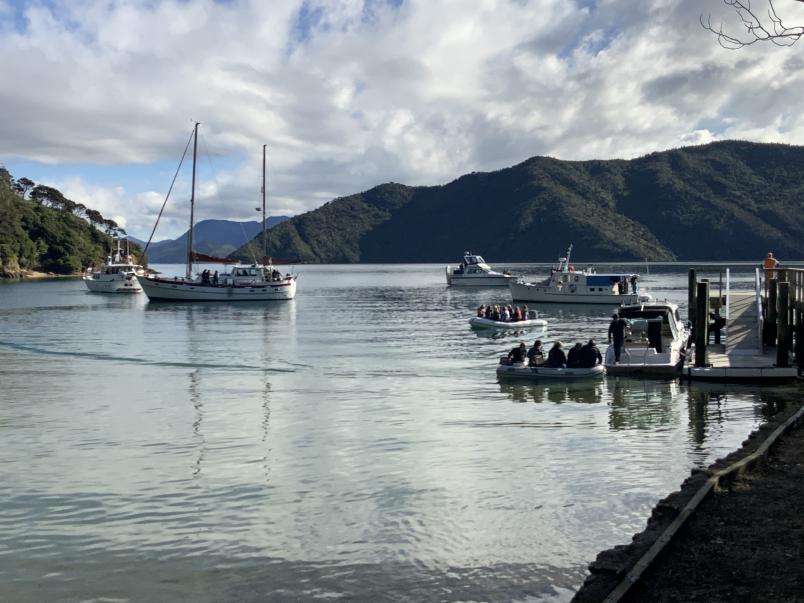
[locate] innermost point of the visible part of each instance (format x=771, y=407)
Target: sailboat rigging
x=240, y=282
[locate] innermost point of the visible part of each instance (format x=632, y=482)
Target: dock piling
x=691, y=284
x=701, y=322
x=770, y=329
x=783, y=343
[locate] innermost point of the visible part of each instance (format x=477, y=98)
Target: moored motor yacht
x=568, y=285
x=118, y=275
x=475, y=272
x=655, y=342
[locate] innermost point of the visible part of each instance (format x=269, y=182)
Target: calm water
x=351, y=444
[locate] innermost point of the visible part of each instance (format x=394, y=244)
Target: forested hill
x=722, y=201
x=42, y=230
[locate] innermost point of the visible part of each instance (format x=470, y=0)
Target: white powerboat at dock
x=568, y=285
x=475, y=272
x=655, y=343
x=118, y=275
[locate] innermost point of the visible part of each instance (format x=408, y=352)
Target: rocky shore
x=743, y=542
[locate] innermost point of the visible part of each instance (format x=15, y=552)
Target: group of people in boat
x=622, y=284
x=579, y=356
x=209, y=278
x=504, y=313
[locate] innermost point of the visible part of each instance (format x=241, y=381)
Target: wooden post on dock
x=701, y=322
x=691, y=283
x=783, y=333
x=770, y=326
x=798, y=314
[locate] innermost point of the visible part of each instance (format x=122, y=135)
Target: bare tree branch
x=768, y=28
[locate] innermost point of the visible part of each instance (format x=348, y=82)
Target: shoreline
x=23, y=275
x=717, y=531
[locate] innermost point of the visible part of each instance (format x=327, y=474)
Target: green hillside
x=723, y=201
x=41, y=230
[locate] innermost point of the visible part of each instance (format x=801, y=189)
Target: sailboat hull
x=179, y=290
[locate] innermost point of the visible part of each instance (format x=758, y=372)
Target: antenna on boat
x=192, y=207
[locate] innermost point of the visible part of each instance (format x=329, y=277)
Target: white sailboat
x=118, y=275
x=238, y=282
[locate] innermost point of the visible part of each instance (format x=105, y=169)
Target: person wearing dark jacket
x=517, y=354
x=556, y=358
x=590, y=355
x=536, y=354
x=574, y=356
x=617, y=333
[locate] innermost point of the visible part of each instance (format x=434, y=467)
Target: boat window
x=252, y=272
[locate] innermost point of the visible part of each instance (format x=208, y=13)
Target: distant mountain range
x=211, y=237
x=728, y=200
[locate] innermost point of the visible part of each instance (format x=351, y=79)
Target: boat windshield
x=473, y=259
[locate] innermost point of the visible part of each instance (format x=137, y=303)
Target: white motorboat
x=118, y=275
x=568, y=285
x=239, y=282
x=520, y=370
x=512, y=325
x=475, y=272
x=655, y=342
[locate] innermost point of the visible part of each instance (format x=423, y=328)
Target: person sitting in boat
x=517, y=355
x=505, y=315
x=496, y=315
x=215, y=278
x=536, y=354
x=488, y=312
x=205, y=277
x=556, y=358
x=517, y=314
x=634, y=279
x=525, y=312
x=590, y=355
x=481, y=311
x=574, y=356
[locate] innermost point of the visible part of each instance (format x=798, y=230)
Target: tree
x=94, y=216
x=47, y=195
x=23, y=185
x=5, y=177
x=759, y=28
x=80, y=209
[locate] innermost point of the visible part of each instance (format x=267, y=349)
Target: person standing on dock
x=617, y=333
x=769, y=265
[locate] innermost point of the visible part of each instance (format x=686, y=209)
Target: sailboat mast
x=263, y=205
x=192, y=208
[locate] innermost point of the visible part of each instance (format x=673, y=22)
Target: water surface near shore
x=352, y=443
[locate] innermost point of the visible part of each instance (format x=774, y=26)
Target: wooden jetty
x=760, y=328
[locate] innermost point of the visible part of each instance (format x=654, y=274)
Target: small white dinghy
x=517, y=325
x=520, y=370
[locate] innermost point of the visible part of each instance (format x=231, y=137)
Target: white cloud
x=349, y=94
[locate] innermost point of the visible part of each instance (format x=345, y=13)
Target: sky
x=99, y=98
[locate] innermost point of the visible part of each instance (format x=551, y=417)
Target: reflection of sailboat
x=255, y=282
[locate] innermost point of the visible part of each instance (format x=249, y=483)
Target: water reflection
x=584, y=392
x=641, y=404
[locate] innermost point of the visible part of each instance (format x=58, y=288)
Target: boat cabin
x=655, y=325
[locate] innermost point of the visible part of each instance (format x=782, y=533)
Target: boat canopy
x=602, y=280
x=470, y=259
